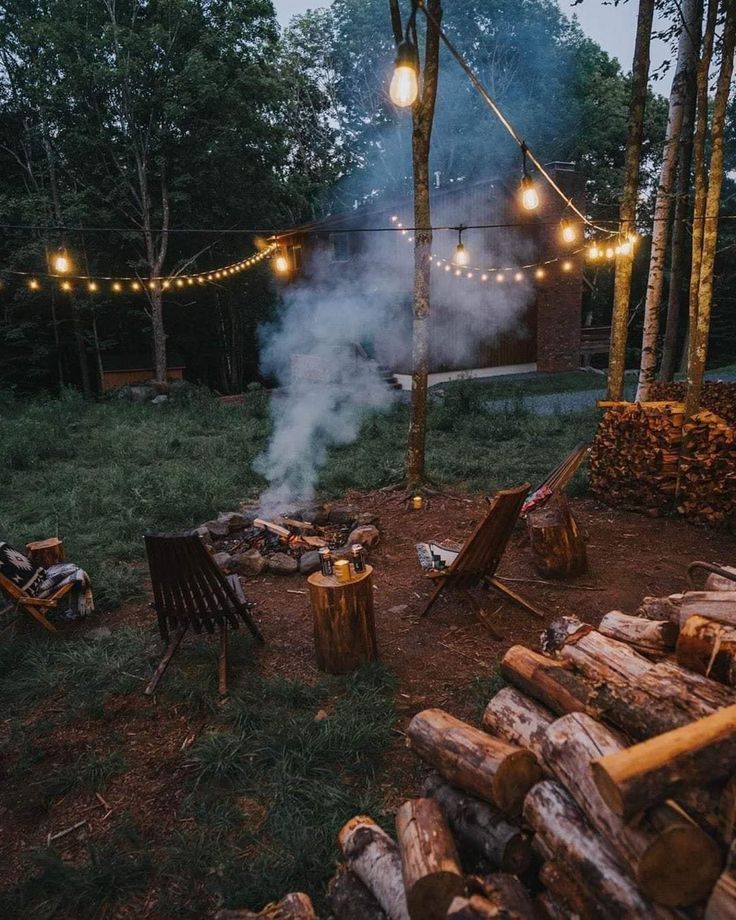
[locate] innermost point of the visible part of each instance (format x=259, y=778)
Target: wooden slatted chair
x=190, y=590
x=37, y=607
x=477, y=561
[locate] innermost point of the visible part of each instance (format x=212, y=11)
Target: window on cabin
x=295, y=258
x=339, y=247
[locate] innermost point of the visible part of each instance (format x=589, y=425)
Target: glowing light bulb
x=166, y=284
x=404, y=87
x=569, y=232
x=469, y=275
x=539, y=273
x=179, y=282
x=92, y=286
x=447, y=268
x=518, y=276
x=499, y=277
x=529, y=194
x=117, y=287
x=625, y=248
x=457, y=273
x=484, y=277
x=594, y=252
x=461, y=255
x=190, y=280
x=610, y=253
x=200, y=279
x=281, y=264
x=62, y=263
x=135, y=286
x=567, y=266
x=66, y=286
x=33, y=284
x=394, y=218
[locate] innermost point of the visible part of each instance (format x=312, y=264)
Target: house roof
x=139, y=361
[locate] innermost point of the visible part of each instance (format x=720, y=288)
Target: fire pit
x=249, y=543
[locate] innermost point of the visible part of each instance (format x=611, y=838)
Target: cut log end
x=680, y=867
x=514, y=778
x=610, y=792
x=430, y=897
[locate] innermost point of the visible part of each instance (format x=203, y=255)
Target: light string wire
x=491, y=103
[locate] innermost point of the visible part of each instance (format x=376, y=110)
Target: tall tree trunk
x=701, y=182
x=700, y=330
x=678, y=256
x=627, y=210
x=686, y=51
x=422, y=120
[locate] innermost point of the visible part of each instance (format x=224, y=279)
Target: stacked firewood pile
x=707, y=488
x=602, y=785
x=635, y=455
x=718, y=396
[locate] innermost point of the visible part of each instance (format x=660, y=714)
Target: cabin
x=516, y=307
x=120, y=370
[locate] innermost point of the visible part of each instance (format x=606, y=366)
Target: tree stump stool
x=344, y=629
x=45, y=553
x=557, y=545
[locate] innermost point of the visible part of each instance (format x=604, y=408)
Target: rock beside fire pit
x=367, y=536
x=309, y=562
x=251, y=562
x=282, y=564
x=223, y=561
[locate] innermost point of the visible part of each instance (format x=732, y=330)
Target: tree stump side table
x=344, y=628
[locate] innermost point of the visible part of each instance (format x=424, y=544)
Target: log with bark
x=716, y=582
x=653, y=638
x=708, y=648
x=603, y=695
x=374, y=857
x=349, y=899
x=431, y=867
x=661, y=608
x=569, y=889
x=493, y=897
x=558, y=548
x=492, y=769
x=672, y=860
x=715, y=605
x=480, y=830
x=518, y=719
x=295, y=906
x=564, y=834
x=640, y=776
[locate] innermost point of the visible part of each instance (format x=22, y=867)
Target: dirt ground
x=438, y=659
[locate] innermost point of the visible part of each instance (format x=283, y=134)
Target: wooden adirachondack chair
x=190, y=590
x=37, y=607
x=477, y=561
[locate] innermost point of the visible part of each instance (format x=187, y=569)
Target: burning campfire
x=286, y=544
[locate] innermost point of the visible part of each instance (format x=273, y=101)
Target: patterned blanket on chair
x=38, y=582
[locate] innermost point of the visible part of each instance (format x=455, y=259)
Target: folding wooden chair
x=37, y=607
x=477, y=561
x=190, y=590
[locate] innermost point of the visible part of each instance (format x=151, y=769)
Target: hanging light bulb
x=461, y=253
x=281, y=263
x=499, y=277
x=539, y=274
x=594, y=252
x=92, y=287
x=518, y=276
x=569, y=231
x=34, y=285
x=567, y=266
x=61, y=263
x=529, y=193
x=66, y=286
x=610, y=252
x=135, y=286
x=404, y=87
x=117, y=287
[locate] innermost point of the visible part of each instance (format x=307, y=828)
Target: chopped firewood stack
x=602, y=785
x=707, y=488
x=719, y=396
x=635, y=455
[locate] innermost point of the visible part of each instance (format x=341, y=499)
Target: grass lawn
x=263, y=788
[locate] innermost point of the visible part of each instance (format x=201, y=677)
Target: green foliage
x=117, y=867
x=274, y=783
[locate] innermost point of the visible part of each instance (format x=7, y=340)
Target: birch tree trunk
x=627, y=210
x=701, y=184
x=678, y=255
x=422, y=120
x=701, y=329
x=663, y=203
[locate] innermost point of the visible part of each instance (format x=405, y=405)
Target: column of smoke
x=368, y=301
